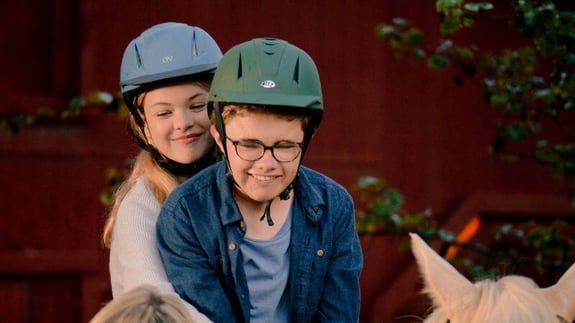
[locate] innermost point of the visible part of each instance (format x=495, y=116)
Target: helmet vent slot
x=138, y=56
x=296, y=71
x=194, y=44
x=240, y=70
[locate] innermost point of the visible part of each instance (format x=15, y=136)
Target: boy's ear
x=216, y=134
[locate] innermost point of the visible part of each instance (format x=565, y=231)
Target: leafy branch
x=77, y=108
x=548, y=249
x=532, y=88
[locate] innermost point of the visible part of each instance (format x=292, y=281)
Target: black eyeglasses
x=250, y=150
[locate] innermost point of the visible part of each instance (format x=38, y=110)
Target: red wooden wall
x=398, y=121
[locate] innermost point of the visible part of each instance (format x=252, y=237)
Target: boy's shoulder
x=202, y=181
x=315, y=177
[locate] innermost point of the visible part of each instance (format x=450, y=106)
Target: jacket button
x=319, y=253
x=232, y=246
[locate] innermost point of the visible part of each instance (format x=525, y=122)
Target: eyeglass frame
x=235, y=143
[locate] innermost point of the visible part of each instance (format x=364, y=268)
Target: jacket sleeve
x=187, y=265
x=340, y=300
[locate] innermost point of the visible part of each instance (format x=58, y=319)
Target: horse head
x=510, y=299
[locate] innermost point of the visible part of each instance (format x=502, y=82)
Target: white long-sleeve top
x=134, y=257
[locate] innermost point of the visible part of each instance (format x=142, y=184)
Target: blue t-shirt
x=266, y=265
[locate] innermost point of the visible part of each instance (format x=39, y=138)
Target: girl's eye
x=198, y=107
x=163, y=114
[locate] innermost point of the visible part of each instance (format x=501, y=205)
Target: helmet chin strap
x=179, y=169
x=171, y=166
x=283, y=196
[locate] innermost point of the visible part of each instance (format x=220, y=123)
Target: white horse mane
x=511, y=299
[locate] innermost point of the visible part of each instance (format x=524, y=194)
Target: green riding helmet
x=267, y=71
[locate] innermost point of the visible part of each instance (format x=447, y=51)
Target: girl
x=165, y=77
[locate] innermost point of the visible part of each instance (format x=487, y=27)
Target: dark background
x=396, y=120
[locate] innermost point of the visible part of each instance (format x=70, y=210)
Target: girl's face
x=265, y=178
x=177, y=122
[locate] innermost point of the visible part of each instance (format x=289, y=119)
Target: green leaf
x=399, y=21
x=498, y=99
x=438, y=61
x=386, y=30
x=77, y=103
x=485, y=5
x=366, y=181
x=516, y=133
x=414, y=37
x=543, y=93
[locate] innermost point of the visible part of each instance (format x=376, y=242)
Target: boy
x=259, y=237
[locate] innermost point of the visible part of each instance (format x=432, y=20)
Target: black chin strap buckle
x=285, y=194
x=267, y=214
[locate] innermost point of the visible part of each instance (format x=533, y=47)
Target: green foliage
x=532, y=87
x=456, y=14
x=544, y=249
x=380, y=207
x=537, y=248
x=114, y=179
x=77, y=108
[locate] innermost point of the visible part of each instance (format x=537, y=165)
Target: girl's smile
x=177, y=122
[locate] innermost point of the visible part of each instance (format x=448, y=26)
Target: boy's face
x=265, y=178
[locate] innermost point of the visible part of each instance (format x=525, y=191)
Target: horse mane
x=509, y=299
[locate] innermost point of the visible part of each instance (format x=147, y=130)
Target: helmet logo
x=268, y=84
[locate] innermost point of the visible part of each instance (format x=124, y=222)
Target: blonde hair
x=144, y=304
x=160, y=182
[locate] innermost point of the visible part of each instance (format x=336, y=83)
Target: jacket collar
x=229, y=212
x=310, y=199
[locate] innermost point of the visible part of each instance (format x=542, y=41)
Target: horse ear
x=563, y=294
x=448, y=289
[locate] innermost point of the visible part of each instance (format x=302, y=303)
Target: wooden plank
x=35, y=262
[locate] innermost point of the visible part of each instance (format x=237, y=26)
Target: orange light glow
x=465, y=235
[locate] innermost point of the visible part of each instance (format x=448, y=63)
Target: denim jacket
x=200, y=230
